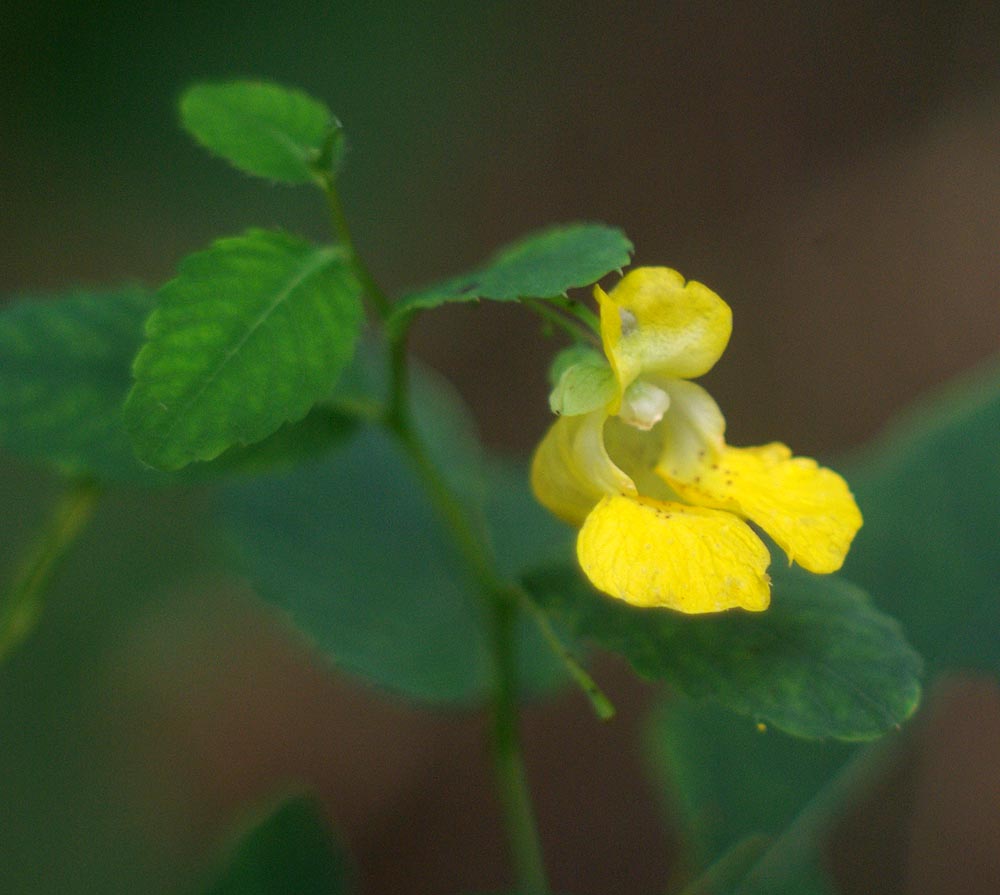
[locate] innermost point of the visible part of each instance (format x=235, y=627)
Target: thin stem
x=22, y=606
x=603, y=707
x=563, y=318
x=522, y=832
x=500, y=602
x=378, y=299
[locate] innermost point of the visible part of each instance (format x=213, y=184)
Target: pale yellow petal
x=653, y=322
x=692, y=429
x=654, y=553
x=807, y=508
x=571, y=470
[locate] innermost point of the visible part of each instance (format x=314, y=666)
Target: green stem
x=23, y=604
x=602, y=706
x=378, y=299
x=563, y=319
x=501, y=603
x=522, y=832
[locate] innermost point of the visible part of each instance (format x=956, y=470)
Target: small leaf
x=292, y=850
x=541, y=265
x=264, y=129
x=356, y=555
x=251, y=333
x=821, y=662
x=582, y=388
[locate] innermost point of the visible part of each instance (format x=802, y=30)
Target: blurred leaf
x=264, y=129
x=251, y=333
x=726, y=779
x=523, y=534
x=541, y=265
x=821, y=662
x=729, y=869
x=930, y=494
x=66, y=371
x=355, y=554
x=290, y=851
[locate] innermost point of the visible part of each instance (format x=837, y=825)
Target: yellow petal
x=654, y=323
x=654, y=553
x=807, y=508
x=571, y=470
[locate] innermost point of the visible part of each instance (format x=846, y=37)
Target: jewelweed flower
x=639, y=462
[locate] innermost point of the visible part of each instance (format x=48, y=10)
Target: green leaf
x=251, y=333
x=64, y=371
x=264, y=129
x=821, y=662
x=725, y=779
x=291, y=850
x=930, y=495
x=583, y=387
x=730, y=868
x=355, y=554
x=541, y=265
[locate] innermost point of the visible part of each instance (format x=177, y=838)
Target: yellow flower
x=639, y=461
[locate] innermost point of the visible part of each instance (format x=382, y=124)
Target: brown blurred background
x=832, y=170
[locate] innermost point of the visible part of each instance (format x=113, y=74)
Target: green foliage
x=264, y=129
x=730, y=868
x=727, y=779
x=821, y=662
x=541, y=265
x=930, y=494
x=290, y=850
x=65, y=372
x=251, y=333
x=357, y=557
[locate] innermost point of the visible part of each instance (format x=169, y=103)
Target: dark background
x=832, y=170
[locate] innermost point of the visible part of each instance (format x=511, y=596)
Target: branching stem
x=500, y=602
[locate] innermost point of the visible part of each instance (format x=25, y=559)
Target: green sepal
x=583, y=387
x=542, y=265
x=821, y=662
x=569, y=356
x=251, y=333
x=265, y=130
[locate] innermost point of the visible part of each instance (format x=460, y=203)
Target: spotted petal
x=807, y=508
x=655, y=553
x=571, y=470
x=652, y=323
